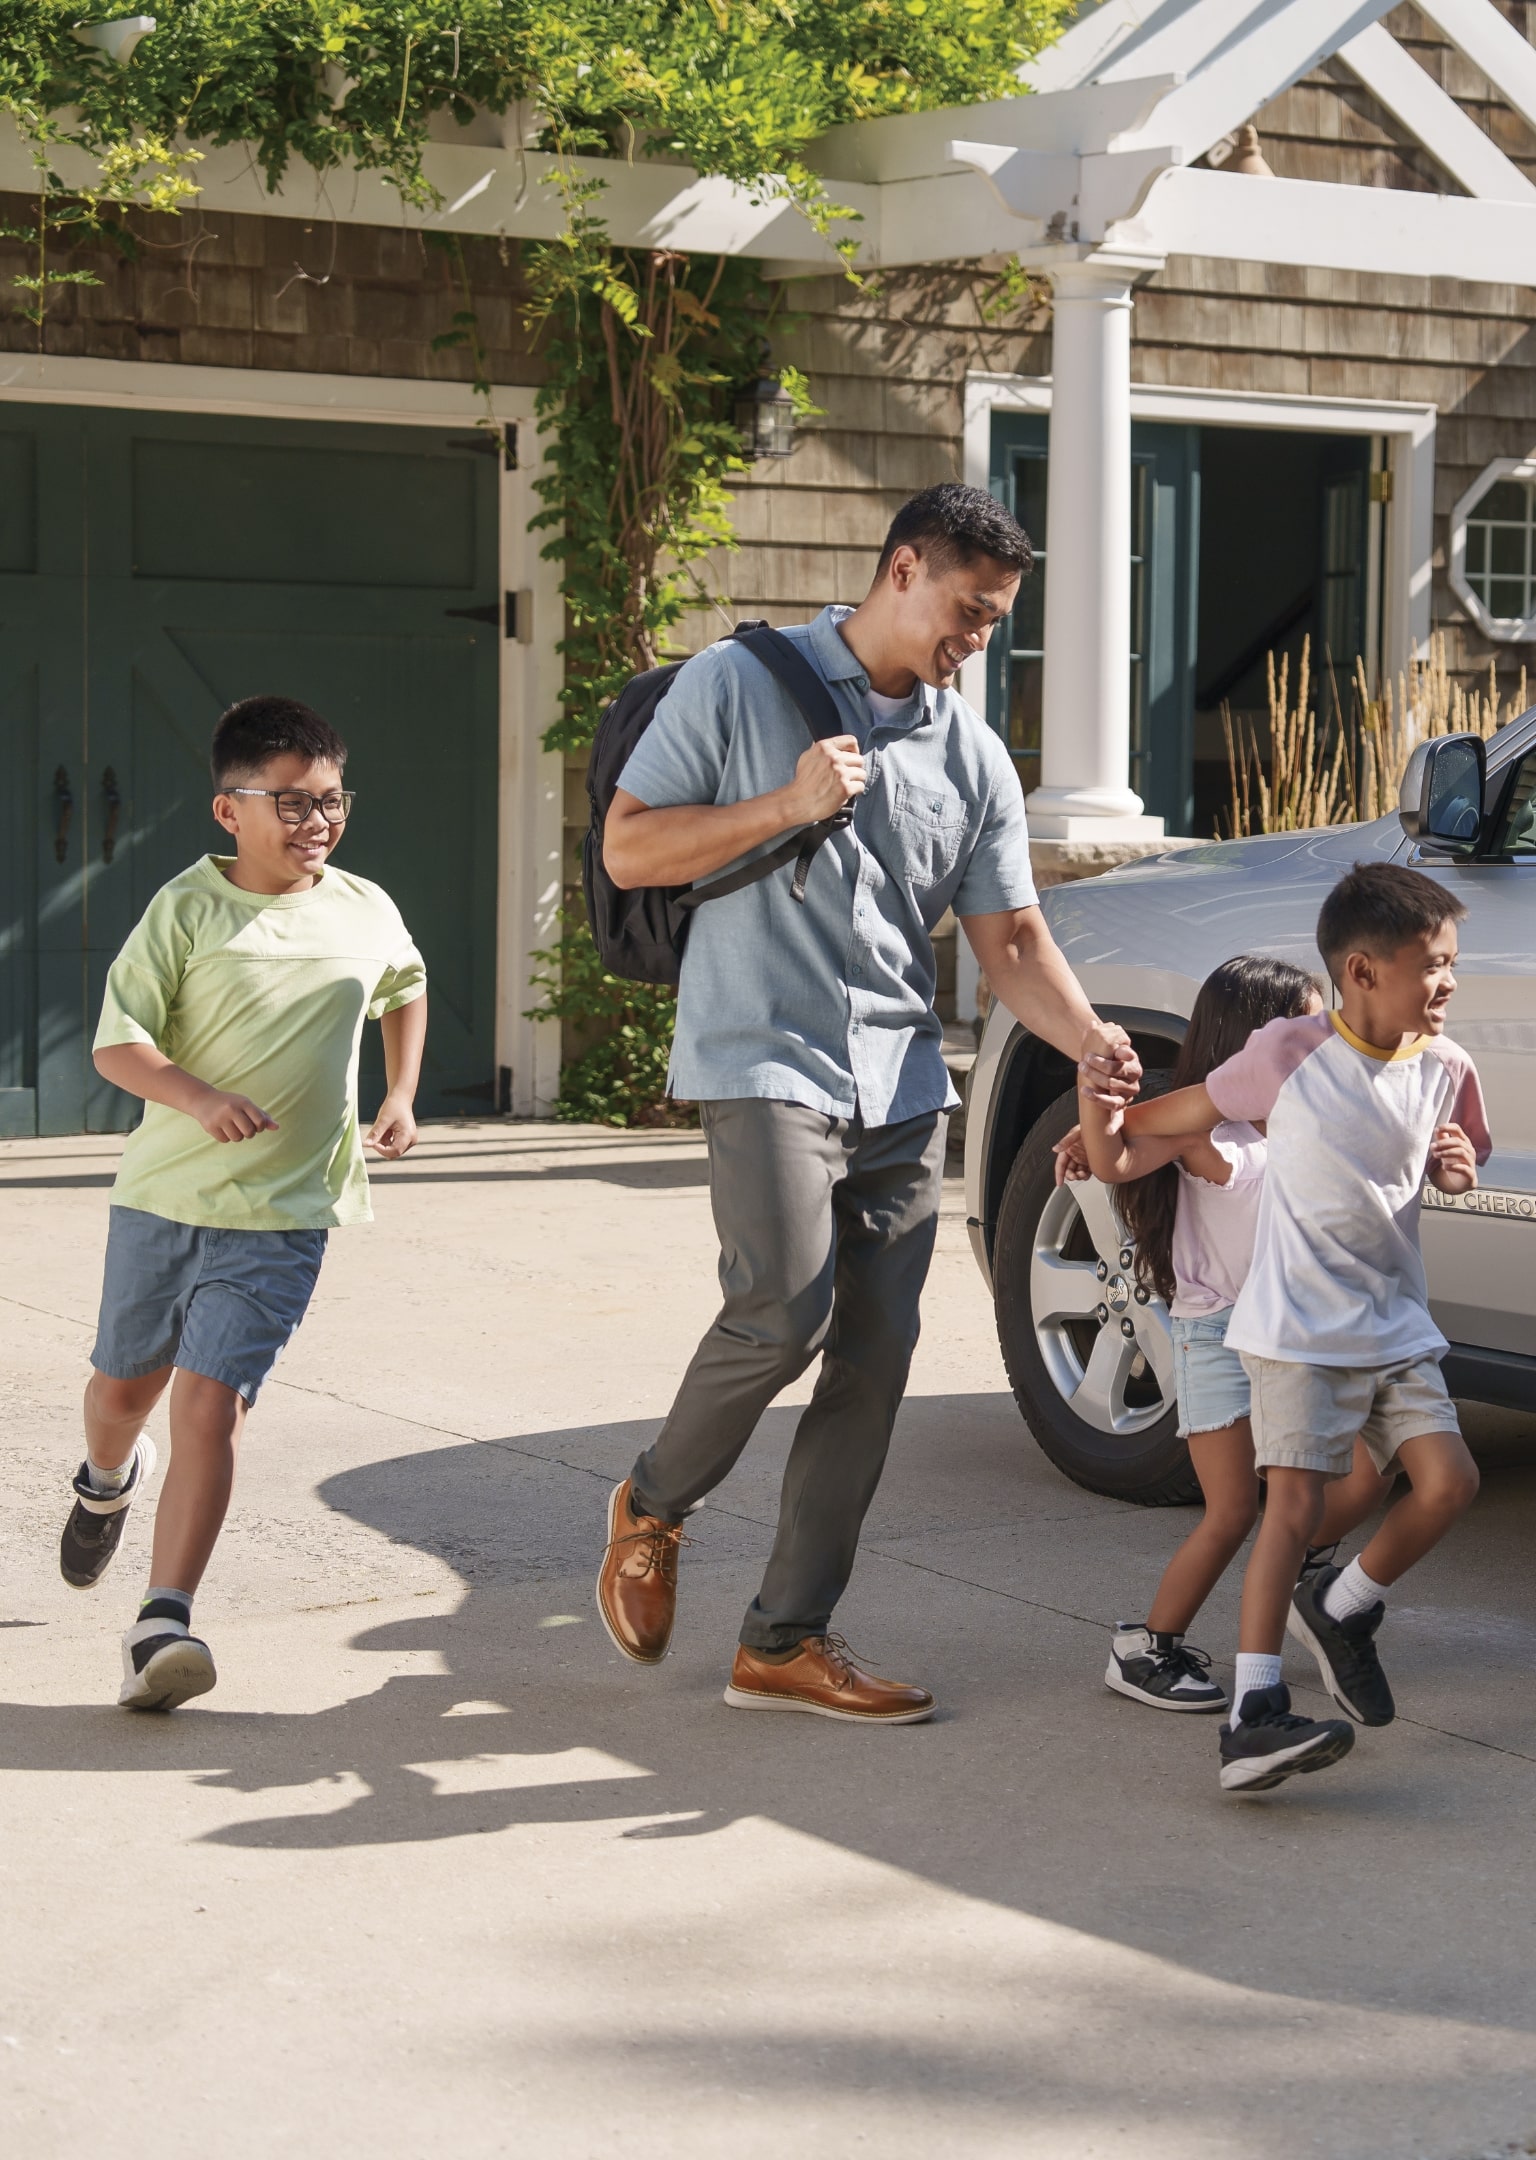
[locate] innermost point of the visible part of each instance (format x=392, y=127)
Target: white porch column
x=1085, y=791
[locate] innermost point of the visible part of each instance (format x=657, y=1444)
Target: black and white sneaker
x=1163, y=1670
x=97, y=1520
x=1317, y=1557
x=1345, y=1650
x=164, y=1663
x=1271, y=1744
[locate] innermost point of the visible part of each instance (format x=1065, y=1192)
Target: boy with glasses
x=235, y=1010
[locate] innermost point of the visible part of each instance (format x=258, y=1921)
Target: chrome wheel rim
x=1109, y=1355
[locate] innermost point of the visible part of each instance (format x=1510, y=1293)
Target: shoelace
x=660, y=1544
x=840, y=1656
x=1187, y=1659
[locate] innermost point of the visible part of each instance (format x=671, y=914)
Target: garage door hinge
x=515, y=615
x=491, y=442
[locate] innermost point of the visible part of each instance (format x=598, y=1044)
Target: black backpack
x=640, y=934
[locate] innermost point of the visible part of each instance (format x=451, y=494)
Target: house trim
x=1409, y=431
x=529, y=839
x=1504, y=630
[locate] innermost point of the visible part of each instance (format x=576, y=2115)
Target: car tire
x=1096, y=1393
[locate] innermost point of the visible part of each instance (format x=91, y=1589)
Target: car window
x=1518, y=834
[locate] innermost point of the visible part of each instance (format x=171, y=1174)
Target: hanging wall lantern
x=765, y=416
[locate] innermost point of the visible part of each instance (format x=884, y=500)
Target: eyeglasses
x=295, y=807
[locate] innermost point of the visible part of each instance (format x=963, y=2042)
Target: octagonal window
x=1501, y=549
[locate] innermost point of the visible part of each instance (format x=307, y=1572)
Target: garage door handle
x=112, y=796
x=64, y=806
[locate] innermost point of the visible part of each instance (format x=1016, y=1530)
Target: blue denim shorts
x=1208, y=1378
x=222, y=1303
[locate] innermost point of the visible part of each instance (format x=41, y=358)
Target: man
x=807, y=1035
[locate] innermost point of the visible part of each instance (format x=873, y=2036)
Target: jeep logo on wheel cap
x=1117, y=1293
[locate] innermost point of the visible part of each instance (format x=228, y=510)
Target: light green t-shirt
x=264, y=994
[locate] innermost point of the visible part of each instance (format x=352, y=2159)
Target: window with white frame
x=1501, y=532
x=1493, y=550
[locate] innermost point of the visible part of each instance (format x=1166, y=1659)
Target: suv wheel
x=1089, y=1356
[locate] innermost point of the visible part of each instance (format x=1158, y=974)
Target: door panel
x=1165, y=538
x=228, y=557
x=42, y=1076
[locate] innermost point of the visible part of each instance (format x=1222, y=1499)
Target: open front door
x=1165, y=538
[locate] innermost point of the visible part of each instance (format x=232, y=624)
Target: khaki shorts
x=1305, y=1417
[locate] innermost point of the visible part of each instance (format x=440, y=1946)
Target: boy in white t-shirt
x=1333, y=1323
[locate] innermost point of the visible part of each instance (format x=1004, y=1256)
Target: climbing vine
x=640, y=350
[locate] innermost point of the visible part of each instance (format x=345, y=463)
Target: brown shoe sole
x=752, y=1699
x=636, y=1657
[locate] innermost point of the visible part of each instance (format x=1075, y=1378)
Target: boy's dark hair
x=953, y=524
x=1377, y=907
x=259, y=728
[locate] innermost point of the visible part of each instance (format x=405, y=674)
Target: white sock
x=109, y=1482
x=1352, y=1591
x=1255, y=1669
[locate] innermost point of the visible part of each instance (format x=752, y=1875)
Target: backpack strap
x=818, y=709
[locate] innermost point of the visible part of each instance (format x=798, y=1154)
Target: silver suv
x=1087, y=1350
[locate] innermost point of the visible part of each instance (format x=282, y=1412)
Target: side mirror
x=1441, y=801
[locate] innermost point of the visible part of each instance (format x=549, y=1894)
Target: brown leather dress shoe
x=824, y=1680
x=637, y=1582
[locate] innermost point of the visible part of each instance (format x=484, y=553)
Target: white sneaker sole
x=173, y=1676
x=1114, y=1678
x=1259, y=1773
x=744, y=1699
x=602, y=1611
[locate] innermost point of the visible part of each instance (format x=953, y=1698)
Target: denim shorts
x=222, y=1303
x=1208, y=1378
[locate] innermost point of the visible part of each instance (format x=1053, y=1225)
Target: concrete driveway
x=435, y=1871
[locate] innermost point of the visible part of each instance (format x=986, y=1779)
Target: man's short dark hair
x=1376, y=908
x=259, y=728
x=951, y=525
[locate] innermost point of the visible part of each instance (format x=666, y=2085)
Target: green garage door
x=155, y=567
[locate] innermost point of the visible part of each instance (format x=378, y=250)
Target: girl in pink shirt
x=1191, y=1205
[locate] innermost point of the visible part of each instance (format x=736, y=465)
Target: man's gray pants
x=826, y=1230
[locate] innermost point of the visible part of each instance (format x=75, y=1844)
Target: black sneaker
x=1163, y=1670
x=97, y=1520
x=1345, y=1650
x=164, y=1663
x=1317, y=1557
x=1271, y=1744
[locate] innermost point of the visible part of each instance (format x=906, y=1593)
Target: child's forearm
x=1186, y=1110
x=405, y=1038
x=140, y=1069
x=1103, y=1141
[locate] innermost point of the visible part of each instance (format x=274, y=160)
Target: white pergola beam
x=501, y=192
x=1477, y=29
x=1111, y=31
x=1277, y=43
x=1320, y=223
x=1069, y=123
x=1452, y=139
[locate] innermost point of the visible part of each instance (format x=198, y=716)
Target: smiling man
x=806, y=1032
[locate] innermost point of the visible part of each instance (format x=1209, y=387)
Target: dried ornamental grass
x=1428, y=702
x=1308, y=778
x=1319, y=773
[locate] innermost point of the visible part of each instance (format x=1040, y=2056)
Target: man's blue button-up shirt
x=830, y=1003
